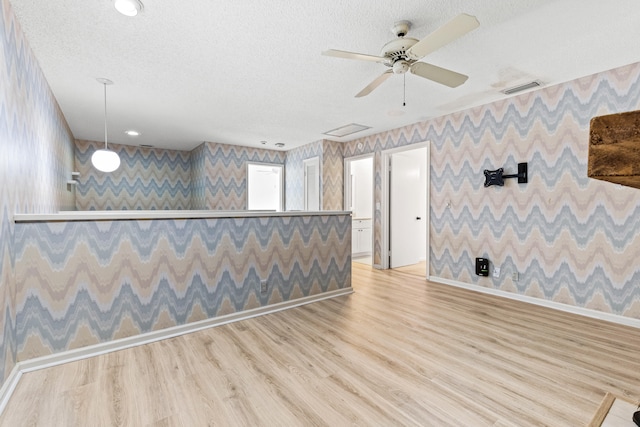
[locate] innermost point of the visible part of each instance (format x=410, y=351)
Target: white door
x=312, y=184
x=407, y=215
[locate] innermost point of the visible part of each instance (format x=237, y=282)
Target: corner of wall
x=332, y=175
x=37, y=149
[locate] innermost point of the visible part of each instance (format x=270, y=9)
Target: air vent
x=520, y=88
x=349, y=129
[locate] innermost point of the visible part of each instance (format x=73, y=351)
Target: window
x=264, y=187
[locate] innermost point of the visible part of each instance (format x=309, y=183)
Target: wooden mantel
x=614, y=148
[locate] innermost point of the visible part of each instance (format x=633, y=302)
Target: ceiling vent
x=349, y=129
x=520, y=88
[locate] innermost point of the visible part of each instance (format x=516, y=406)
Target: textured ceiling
x=242, y=71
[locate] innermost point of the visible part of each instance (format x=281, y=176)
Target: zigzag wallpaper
x=36, y=160
x=571, y=239
x=332, y=176
x=147, y=179
x=198, y=161
x=90, y=282
x=219, y=176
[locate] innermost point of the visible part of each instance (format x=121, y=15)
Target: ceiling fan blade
x=438, y=74
x=457, y=27
x=374, y=84
x=353, y=55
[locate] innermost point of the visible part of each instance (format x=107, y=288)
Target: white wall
x=362, y=191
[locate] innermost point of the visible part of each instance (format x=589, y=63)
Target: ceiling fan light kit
x=404, y=53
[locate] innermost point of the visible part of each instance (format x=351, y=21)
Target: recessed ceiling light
x=347, y=130
x=279, y=144
x=132, y=132
x=146, y=145
x=128, y=7
x=263, y=142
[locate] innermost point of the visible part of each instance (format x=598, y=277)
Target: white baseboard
x=594, y=314
x=10, y=384
x=120, y=344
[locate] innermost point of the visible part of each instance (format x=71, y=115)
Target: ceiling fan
x=402, y=54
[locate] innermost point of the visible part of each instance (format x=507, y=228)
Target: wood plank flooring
x=400, y=351
x=419, y=269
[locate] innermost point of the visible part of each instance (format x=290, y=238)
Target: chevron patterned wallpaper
x=332, y=176
x=148, y=179
x=89, y=282
x=36, y=160
x=211, y=176
x=219, y=176
x=199, y=176
x=571, y=239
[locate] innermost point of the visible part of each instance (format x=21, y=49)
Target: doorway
x=405, y=217
x=358, y=198
x=312, y=184
x=265, y=187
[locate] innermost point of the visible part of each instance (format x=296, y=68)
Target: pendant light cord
x=105, y=115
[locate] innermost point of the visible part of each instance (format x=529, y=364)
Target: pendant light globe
x=105, y=160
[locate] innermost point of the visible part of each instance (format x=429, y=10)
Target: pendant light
x=105, y=160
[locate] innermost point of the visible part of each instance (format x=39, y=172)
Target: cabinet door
x=355, y=241
x=366, y=240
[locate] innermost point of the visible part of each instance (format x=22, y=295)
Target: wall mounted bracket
x=496, y=177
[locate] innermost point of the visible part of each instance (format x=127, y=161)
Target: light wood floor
x=400, y=351
x=419, y=269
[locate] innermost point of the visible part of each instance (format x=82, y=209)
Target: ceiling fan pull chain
x=404, y=90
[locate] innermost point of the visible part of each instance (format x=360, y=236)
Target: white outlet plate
x=496, y=272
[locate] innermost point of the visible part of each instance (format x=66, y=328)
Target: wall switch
x=496, y=272
x=263, y=286
x=514, y=276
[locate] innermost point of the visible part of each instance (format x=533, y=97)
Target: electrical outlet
x=263, y=286
x=514, y=276
x=496, y=272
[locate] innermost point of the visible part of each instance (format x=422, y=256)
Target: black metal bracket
x=496, y=177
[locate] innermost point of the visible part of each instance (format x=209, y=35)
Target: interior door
x=405, y=210
x=312, y=184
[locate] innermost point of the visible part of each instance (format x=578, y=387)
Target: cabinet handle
x=418, y=218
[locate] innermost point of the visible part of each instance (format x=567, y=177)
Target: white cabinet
x=361, y=236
